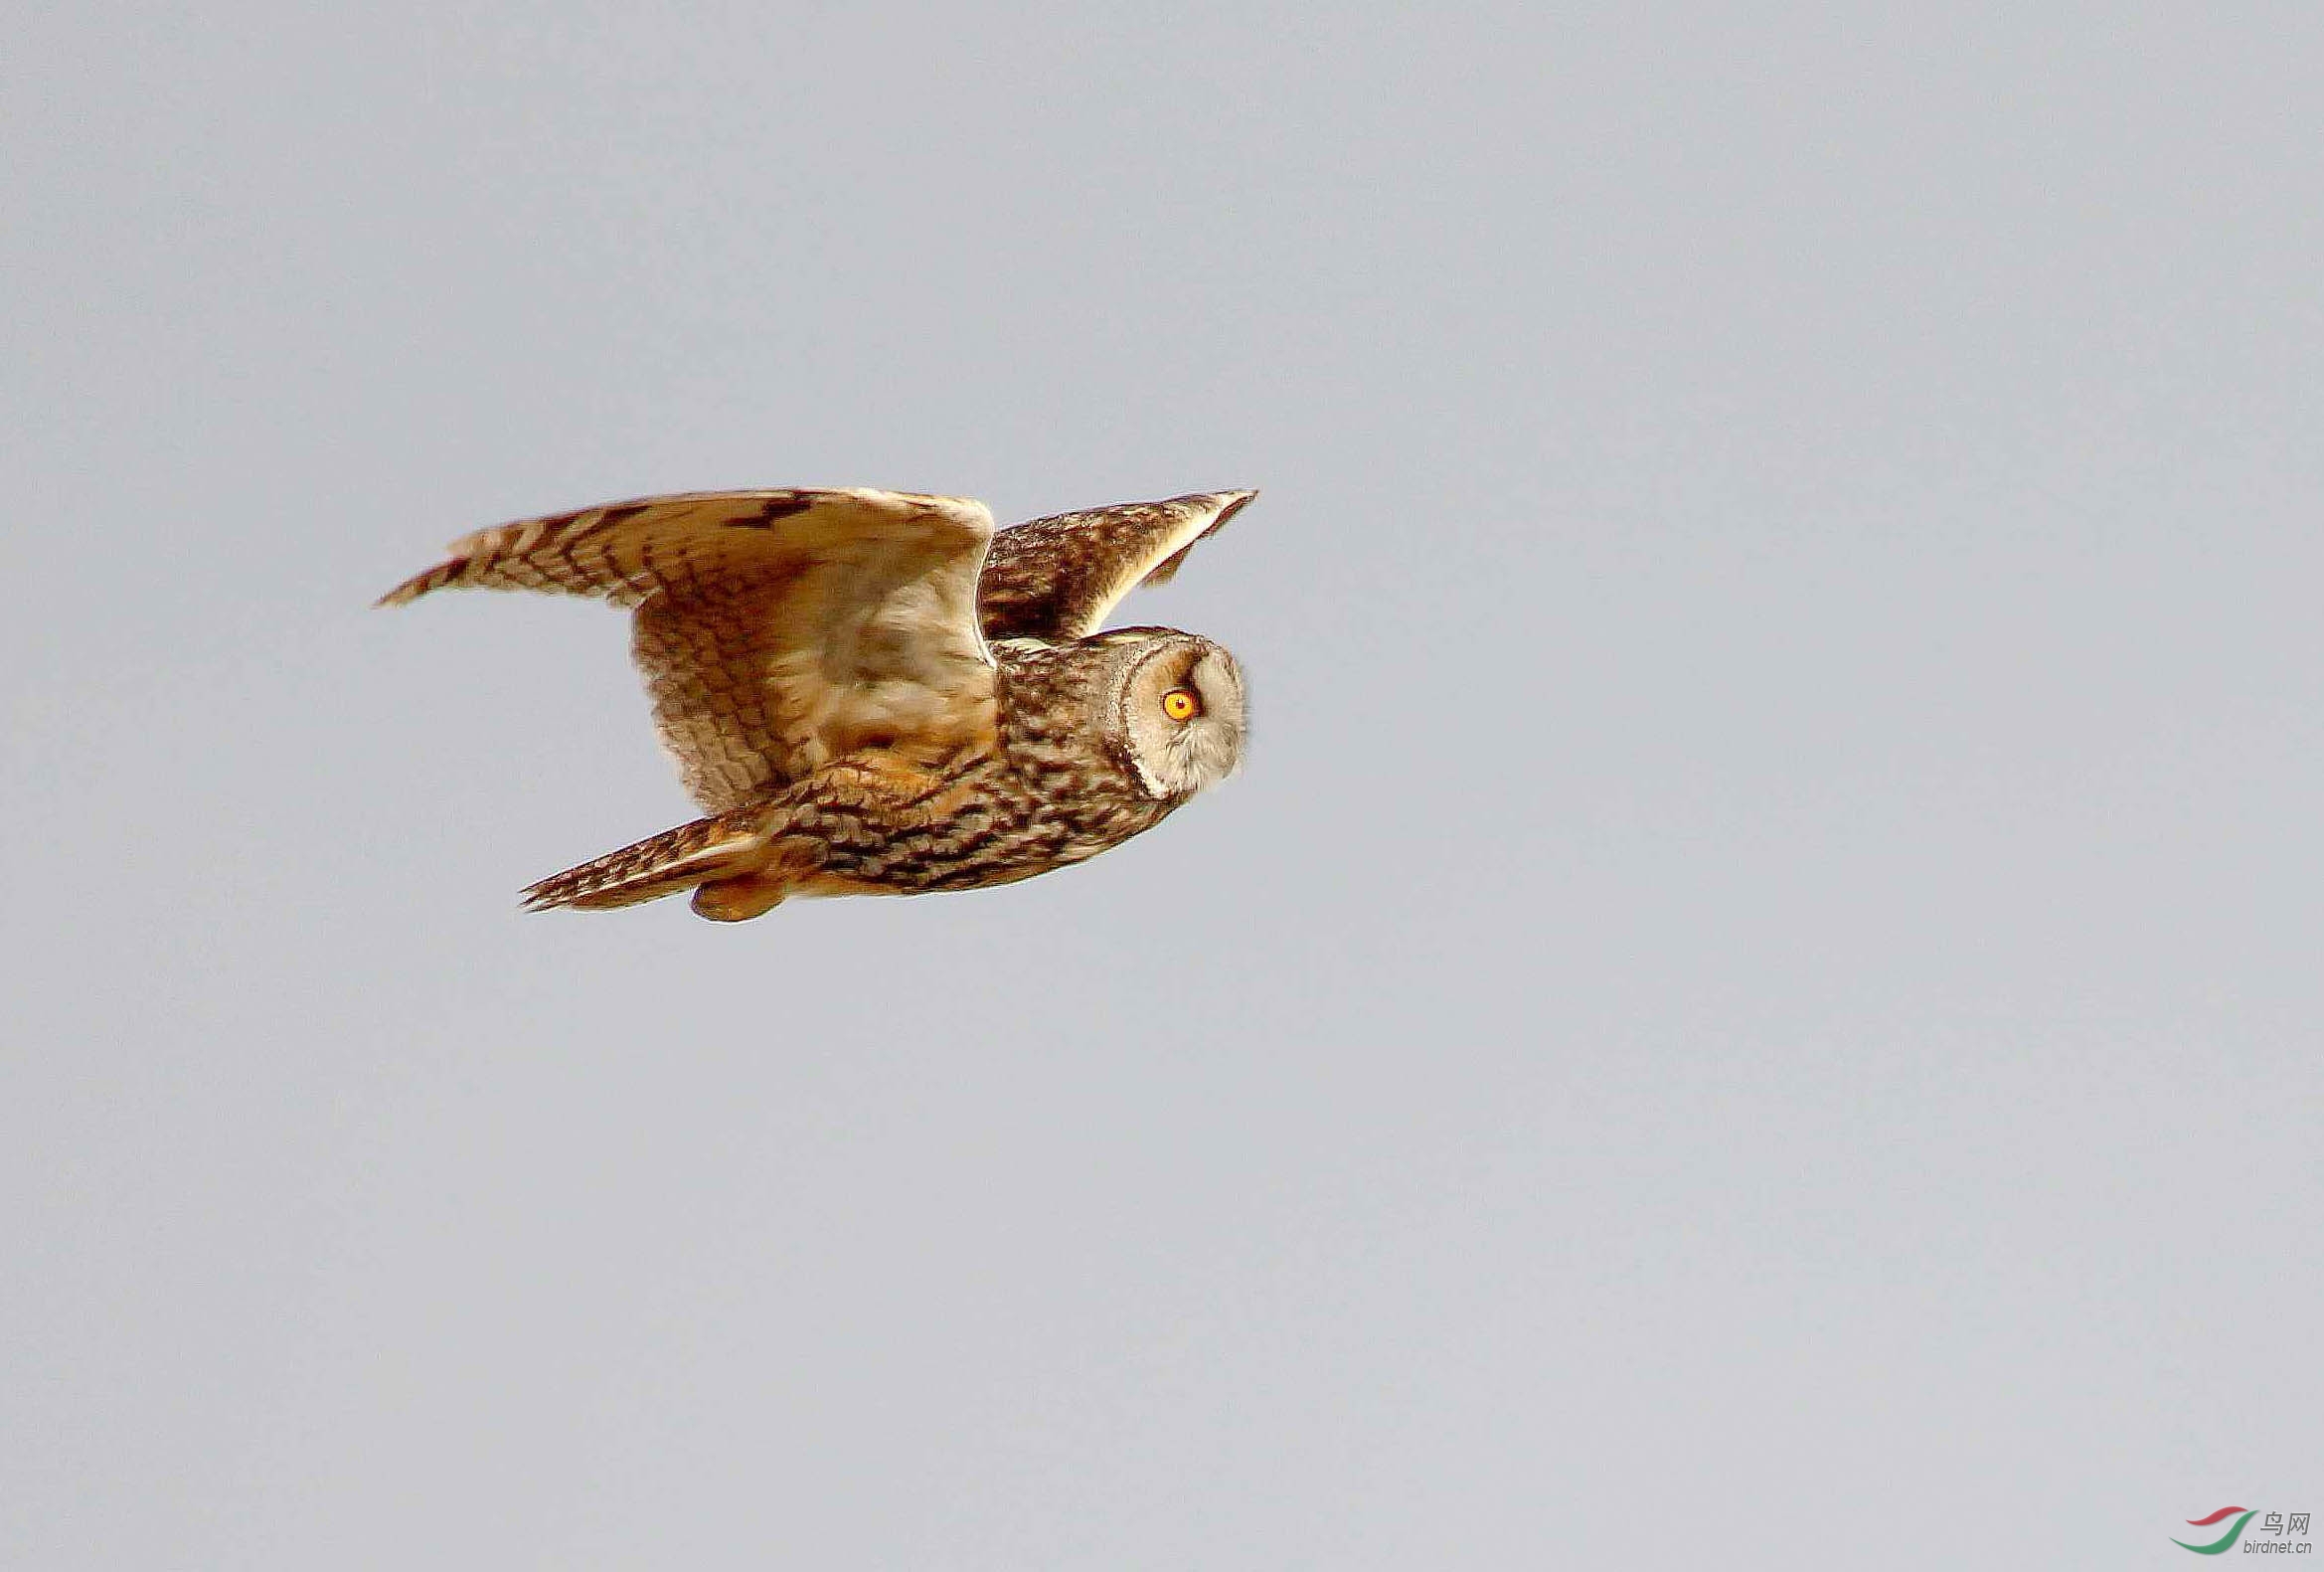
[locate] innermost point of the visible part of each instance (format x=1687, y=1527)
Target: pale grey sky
x=1758, y=1002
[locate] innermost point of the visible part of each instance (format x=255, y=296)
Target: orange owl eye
x=1180, y=704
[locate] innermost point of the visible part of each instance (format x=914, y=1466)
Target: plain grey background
x=1756, y=1001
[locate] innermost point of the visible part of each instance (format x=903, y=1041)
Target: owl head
x=1176, y=709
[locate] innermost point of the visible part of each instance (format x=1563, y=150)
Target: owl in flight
x=874, y=691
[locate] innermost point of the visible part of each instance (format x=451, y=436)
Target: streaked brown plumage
x=872, y=691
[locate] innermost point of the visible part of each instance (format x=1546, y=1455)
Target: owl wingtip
x=417, y=585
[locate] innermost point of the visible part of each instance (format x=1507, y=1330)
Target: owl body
x=812, y=679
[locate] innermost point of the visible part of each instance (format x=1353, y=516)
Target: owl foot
x=739, y=900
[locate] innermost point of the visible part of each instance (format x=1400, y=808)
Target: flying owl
x=874, y=691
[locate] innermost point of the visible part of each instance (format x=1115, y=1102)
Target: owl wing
x=1058, y=578
x=776, y=630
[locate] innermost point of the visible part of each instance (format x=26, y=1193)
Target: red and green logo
x=2224, y=1542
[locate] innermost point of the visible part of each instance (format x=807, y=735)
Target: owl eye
x=1180, y=704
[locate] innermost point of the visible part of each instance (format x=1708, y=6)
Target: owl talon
x=739, y=900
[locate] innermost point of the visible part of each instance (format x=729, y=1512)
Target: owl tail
x=728, y=846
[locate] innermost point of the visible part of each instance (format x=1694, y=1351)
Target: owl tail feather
x=730, y=845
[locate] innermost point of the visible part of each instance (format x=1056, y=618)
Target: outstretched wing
x=776, y=630
x=1058, y=578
